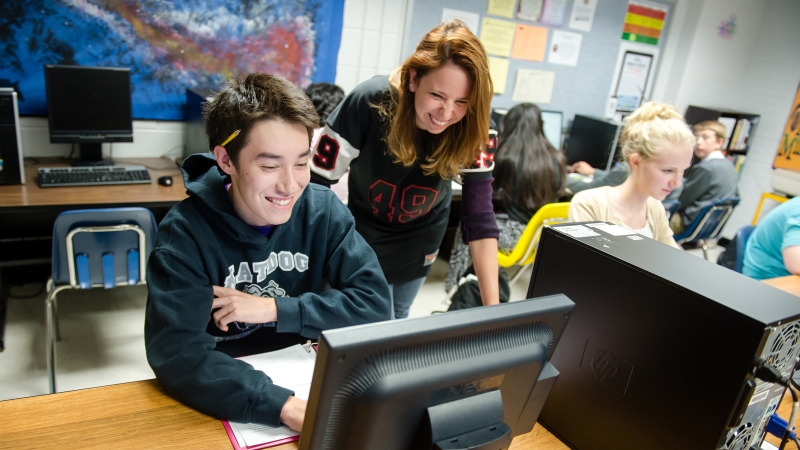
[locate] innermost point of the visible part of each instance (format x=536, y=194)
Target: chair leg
x=705, y=249
x=516, y=275
x=50, y=338
x=55, y=319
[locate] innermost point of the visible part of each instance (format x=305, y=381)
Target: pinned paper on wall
x=498, y=70
x=633, y=80
x=565, y=47
x=582, y=15
x=471, y=19
x=529, y=10
x=530, y=43
x=789, y=144
x=644, y=23
x=554, y=12
x=502, y=8
x=534, y=86
x=497, y=36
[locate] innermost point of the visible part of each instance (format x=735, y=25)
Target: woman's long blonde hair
x=460, y=144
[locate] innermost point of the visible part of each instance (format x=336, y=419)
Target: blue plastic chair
x=95, y=248
x=671, y=207
x=741, y=243
x=708, y=223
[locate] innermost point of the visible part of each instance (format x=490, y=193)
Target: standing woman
x=658, y=146
x=530, y=173
x=405, y=137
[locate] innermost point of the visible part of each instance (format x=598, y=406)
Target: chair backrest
x=709, y=222
x=741, y=243
x=525, y=249
x=671, y=207
x=102, y=246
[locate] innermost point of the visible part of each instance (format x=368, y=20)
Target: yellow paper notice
x=502, y=8
x=498, y=70
x=497, y=36
x=529, y=43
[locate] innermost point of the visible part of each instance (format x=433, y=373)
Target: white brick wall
x=756, y=71
x=372, y=35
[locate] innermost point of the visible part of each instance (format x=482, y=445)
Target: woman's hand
x=237, y=306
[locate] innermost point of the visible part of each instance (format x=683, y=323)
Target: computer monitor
x=592, y=140
x=552, y=126
x=462, y=376
x=89, y=106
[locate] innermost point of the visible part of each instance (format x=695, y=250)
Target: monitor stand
x=92, y=155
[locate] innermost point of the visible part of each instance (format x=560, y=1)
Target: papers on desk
x=291, y=368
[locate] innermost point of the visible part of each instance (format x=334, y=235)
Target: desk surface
x=30, y=194
x=139, y=415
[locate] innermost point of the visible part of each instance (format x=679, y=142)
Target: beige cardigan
x=595, y=204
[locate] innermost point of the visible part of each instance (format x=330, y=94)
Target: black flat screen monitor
x=89, y=106
x=442, y=381
x=592, y=140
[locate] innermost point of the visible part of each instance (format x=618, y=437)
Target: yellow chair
x=525, y=250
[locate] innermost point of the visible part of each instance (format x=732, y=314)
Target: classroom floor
x=103, y=334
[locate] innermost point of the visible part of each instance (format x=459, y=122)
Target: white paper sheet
x=534, y=86
x=472, y=20
x=582, y=15
x=292, y=368
x=565, y=47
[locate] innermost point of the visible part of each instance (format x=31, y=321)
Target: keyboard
x=92, y=176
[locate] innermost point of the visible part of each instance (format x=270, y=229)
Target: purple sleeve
x=477, y=215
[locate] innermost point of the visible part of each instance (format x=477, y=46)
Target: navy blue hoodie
x=320, y=271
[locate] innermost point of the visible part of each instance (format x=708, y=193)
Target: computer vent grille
x=783, y=351
x=418, y=356
x=739, y=439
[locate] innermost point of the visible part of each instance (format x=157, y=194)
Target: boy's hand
x=582, y=168
x=293, y=413
x=237, y=306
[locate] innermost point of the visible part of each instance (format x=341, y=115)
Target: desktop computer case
x=11, y=163
x=659, y=350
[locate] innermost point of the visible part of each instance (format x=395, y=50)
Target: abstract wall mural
x=169, y=45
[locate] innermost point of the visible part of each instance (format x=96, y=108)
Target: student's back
x=528, y=172
x=768, y=253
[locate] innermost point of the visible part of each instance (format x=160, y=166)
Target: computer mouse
x=166, y=180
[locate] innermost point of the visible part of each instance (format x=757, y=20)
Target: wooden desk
x=139, y=415
x=790, y=284
x=135, y=416
x=31, y=195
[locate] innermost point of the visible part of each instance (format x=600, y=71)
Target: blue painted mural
x=169, y=45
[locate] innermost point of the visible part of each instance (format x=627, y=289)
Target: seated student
x=712, y=178
x=657, y=145
x=773, y=250
x=614, y=177
x=256, y=259
x=529, y=173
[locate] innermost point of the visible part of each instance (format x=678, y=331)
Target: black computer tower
x=659, y=350
x=196, y=139
x=11, y=168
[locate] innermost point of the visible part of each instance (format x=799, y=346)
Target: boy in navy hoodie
x=256, y=259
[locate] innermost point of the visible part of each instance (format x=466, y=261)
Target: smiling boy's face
x=271, y=172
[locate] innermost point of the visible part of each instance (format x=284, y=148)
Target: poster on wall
x=168, y=45
x=554, y=12
x=529, y=10
x=644, y=23
x=565, y=47
x=582, y=15
x=788, y=156
x=632, y=80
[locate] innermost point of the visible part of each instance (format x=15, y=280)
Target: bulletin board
x=581, y=89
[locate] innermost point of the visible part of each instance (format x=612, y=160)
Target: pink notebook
x=236, y=445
